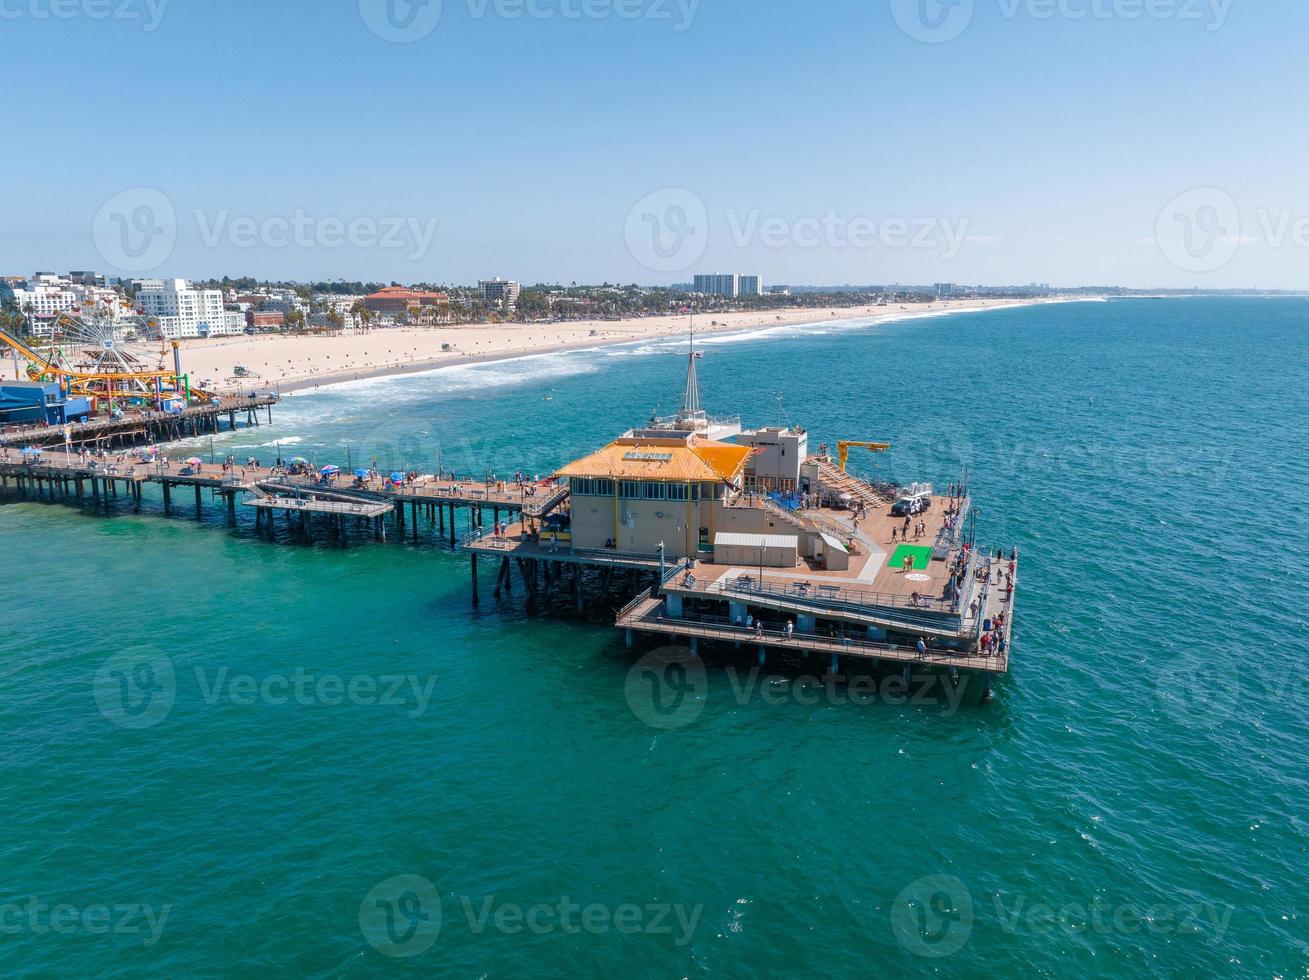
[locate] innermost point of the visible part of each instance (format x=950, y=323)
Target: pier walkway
x=648, y=613
x=146, y=426
x=58, y=474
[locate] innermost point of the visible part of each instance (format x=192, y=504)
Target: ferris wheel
x=98, y=355
x=99, y=345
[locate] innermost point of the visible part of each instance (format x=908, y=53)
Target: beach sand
x=291, y=363
x=294, y=363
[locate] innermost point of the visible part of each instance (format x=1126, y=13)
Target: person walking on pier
x=790, y=629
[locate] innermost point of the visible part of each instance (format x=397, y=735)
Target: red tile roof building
x=402, y=301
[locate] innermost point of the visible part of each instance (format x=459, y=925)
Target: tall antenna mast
x=691, y=400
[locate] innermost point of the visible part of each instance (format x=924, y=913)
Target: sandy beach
x=295, y=363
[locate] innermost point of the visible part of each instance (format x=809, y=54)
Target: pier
x=755, y=545
x=136, y=427
x=450, y=508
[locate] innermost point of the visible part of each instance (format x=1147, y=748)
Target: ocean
x=225, y=757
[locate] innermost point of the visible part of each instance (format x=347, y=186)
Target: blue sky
x=818, y=142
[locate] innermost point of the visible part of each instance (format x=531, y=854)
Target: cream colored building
x=655, y=486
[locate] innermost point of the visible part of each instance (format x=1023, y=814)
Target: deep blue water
x=1132, y=803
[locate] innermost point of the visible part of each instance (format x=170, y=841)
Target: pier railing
x=632, y=606
x=718, y=628
x=928, y=613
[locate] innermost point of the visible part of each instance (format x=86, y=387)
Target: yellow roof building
x=662, y=457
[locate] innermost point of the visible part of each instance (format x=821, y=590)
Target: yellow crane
x=843, y=449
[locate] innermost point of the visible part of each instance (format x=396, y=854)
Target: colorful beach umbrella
x=397, y=478
x=328, y=470
x=362, y=474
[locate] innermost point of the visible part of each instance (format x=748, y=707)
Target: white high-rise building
x=178, y=310
x=728, y=285
x=502, y=292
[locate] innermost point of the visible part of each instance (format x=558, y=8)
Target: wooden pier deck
x=316, y=505
x=649, y=614
x=57, y=474
x=146, y=426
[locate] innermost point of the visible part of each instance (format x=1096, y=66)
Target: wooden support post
x=473, y=565
x=168, y=496
x=199, y=513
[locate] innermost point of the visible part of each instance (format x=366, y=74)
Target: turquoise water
x=1132, y=803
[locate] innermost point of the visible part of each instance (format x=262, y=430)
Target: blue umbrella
x=32, y=451
x=362, y=474
x=330, y=469
x=397, y=478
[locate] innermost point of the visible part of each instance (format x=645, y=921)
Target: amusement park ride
x=91, y=358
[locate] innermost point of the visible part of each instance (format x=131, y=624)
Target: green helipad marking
x=922, y=557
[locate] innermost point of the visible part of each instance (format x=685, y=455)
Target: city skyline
x=889, y=165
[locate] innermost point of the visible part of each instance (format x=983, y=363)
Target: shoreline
x=744, y=324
